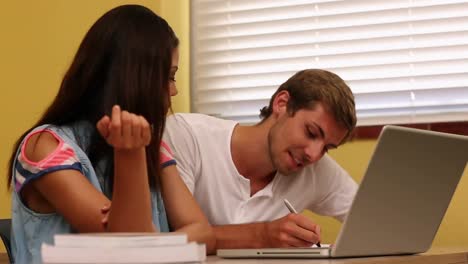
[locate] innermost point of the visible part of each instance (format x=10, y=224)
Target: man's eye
x=311, y=134
x=172, y=79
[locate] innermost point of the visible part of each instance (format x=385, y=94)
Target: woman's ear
x=280, y=103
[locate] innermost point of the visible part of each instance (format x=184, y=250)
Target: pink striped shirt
x=62, y=158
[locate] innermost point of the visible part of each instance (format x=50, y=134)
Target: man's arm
x=292, y=230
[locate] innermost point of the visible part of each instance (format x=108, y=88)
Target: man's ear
x=280, y=103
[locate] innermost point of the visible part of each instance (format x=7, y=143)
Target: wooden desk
x=434, y=256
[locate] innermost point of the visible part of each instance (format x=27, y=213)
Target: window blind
x=405, y=60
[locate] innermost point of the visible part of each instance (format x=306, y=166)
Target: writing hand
x=292, y=230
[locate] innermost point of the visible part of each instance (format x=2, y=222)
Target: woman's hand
x=124, y=130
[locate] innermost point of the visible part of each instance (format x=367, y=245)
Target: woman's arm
x=69, y=192
x=183, y=211
x=128, y=134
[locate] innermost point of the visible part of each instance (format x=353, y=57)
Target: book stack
x=123, y=248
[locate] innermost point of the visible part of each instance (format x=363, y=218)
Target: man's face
x=303, y=138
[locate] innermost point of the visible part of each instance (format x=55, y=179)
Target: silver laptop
x=401, y=200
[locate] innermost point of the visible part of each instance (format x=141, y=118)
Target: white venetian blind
x=405, y=60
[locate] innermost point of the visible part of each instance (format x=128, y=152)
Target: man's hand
x=292, y=230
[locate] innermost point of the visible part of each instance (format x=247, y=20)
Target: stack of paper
x=123, y=248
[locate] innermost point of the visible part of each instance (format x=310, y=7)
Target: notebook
x=120, y=239
x=123, y=248
x=190, y=252
x=401, y=200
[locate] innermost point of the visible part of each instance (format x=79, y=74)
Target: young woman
x=99, y=143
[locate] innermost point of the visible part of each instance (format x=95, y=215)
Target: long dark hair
x=125, y=59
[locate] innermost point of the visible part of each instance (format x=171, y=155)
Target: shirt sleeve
x=166, y=156
x=180, y=138
x=62, y=158
x=338, y=189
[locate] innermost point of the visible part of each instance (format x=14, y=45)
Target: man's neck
x=250, y=154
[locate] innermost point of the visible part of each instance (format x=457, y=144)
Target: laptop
x=401, y=200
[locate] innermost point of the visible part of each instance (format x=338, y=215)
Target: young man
x=240, y=174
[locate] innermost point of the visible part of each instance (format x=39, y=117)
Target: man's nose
x=313, y=152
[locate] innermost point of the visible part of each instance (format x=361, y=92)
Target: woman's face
x=174, y=68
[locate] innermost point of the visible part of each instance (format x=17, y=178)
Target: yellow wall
x=177, y=14
x=38, y=40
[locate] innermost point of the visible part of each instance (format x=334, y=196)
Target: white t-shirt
x=201, y=146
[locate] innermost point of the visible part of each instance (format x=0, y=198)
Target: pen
x=292, y=210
